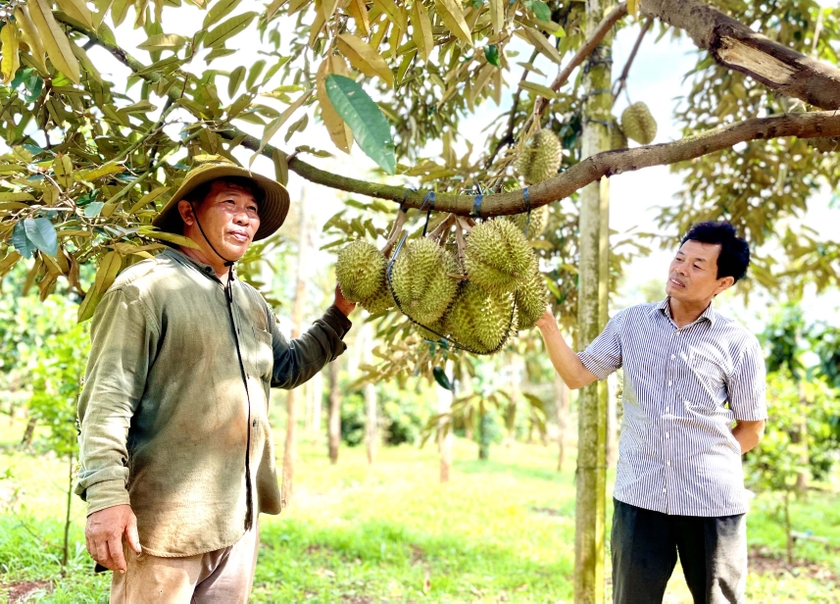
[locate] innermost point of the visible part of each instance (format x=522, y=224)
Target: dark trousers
x=645, y=545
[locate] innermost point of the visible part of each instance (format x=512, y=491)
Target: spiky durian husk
x=497, y=256
x=539, y=220
x=531, y=300
x=478, y=319
x=380, y=301
x=422, y=280
x=638, y=124
x=360, y=270
x=541, y=159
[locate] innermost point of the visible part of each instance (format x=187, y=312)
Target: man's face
x=229, y=219
x=692, y=276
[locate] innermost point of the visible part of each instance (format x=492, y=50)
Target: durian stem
x=461, y=226
x=396, y=230
x=440, y=230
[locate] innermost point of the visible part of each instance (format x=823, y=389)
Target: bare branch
x=736, y=46
x=540, y=104
x=622, y=79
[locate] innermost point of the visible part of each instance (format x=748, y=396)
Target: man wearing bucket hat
x=176, y=453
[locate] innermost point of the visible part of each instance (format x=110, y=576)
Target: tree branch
x=736, y=46
x=541, y=104
x=622, y=79
x=802, y=125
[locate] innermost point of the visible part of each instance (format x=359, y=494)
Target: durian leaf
x=441, y=379
x=21, y=241
x=41, y=233
x=370, y=128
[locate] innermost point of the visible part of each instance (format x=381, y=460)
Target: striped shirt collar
x=665, y=308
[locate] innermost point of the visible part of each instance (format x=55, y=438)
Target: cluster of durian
x=479, y=303
x=541, y=158
x=637, y=124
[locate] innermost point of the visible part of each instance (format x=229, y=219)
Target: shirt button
x=670, y=382
x=664, y=490
x=673, y=357
x=668, y=463
x=667, y=435
x=667, y=409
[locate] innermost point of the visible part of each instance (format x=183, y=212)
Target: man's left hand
x=342, y=303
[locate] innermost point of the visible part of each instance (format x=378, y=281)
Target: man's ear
x=724, y=284
x=186, y=211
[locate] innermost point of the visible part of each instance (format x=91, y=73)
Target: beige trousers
x=223, y=576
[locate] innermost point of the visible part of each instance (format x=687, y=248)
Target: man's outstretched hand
x=104, y=534
x=342, y=303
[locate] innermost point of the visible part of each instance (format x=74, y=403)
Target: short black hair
x=734, y=255
x=198, y=194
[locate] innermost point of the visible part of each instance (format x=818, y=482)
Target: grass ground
x=499, y=531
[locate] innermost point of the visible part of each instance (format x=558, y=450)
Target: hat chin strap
x=228, y=263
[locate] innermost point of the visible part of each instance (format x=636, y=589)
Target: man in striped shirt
x=694, y=402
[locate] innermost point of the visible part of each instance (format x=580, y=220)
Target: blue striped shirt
x=683, y=390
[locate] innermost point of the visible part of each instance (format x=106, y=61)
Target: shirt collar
x=181, y=257
x=665, y=308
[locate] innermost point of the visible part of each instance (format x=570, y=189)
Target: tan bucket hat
x=272, y=210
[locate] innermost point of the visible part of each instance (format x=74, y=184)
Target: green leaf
x=235, y=80
x=92, y=209
x=228, y=29
x=370, y=128
x=21, y=242
x=541, y=11
x=440, y=378
x=220, y=10
x=41, y=232
x=491, y=53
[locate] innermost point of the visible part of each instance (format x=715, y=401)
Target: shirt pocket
x=703, y=388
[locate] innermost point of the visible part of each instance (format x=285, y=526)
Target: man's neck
x=199, y=256
x=685, y=313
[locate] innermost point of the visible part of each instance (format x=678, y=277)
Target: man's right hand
x=104, y=534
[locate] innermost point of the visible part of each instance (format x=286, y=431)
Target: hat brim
x=272, y=210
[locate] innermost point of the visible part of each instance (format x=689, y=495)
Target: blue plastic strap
x=476, y=211
x=527, y=197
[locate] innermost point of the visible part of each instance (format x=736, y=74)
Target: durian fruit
x=541, y=159
x=638, y=124
x=539, y=220
x=825, y=144
x=380, y=301
x=497, y=256
x=479, y=320
x=618, y=140
x=360, y=270
x=531, y=301
x=422, y=281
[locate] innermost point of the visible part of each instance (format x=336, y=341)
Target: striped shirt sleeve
x=746, y=386
x=603, y=355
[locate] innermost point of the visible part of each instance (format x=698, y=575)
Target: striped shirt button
x=668, y=463
x=667, y=435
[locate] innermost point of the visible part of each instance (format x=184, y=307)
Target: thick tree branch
x=736, y=46
x=802, y=125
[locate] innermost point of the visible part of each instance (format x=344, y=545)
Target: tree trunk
x=28, y=433
x=444, y=434
x=483, y=434
x=371, y=420
x=788, y=531
x=334, y=421
x=65, y=551
x=561, y=410
x=802, y=437
x=594, y=222
x=297, y=319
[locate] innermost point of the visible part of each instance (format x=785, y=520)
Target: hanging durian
x=360, y=270
x=638, y=124
x=423, y=280
x=497, y=256
x=541, y=159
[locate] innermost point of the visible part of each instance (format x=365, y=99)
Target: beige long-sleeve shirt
x=165, y=415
